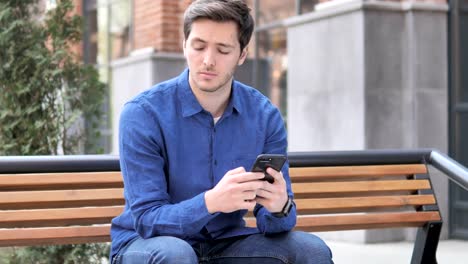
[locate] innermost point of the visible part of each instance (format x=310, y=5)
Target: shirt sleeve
x=143, y=167
x=276, y=143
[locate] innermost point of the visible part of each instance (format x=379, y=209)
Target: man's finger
x=264, y=193
x=278, y=176
x=251, y=185
x=260, y=200
x=248, y=176
x=236, y=171
x=249, y=195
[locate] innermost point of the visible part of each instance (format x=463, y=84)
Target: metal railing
x=454, y=170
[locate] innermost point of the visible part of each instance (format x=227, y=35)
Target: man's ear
x=243, y=56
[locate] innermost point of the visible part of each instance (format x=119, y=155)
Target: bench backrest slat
x=300, y=174
x=357, y=204
x=359, y=186
x=60, y=198
x=51, y=181
x=54, y=235
x=58, y=217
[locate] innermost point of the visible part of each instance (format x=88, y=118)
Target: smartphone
x=264, y=161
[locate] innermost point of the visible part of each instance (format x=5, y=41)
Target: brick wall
x=157, y=24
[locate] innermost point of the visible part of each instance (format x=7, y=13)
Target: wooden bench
x=66, y=200
x=58, y=200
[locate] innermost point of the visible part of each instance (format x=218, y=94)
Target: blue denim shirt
x=171, y=153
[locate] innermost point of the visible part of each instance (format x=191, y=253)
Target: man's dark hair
x=221, y=11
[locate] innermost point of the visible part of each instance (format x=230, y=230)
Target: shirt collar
x=235, y=102
x=190, y=105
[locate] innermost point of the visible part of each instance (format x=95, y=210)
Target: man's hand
x=273, y=196
x=236, y=191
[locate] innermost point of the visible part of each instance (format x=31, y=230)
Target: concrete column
x=136, y=73
x=367, y=75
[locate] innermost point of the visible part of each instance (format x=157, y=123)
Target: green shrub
x=46, y=92
x=50, y=102
x=67, y=254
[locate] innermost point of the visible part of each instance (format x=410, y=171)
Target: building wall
x=375, y=76
x=326, y=82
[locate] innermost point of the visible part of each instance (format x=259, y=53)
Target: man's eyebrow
x=198, y=40
x=225, y=45
x=219, y=43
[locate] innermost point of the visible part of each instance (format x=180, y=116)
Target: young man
x=186, y=148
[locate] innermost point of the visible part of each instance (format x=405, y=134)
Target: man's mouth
x=207, y=74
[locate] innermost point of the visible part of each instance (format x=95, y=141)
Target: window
x=107, y=37
x=270, y=44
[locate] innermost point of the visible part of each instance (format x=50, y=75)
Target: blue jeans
x=288, y=247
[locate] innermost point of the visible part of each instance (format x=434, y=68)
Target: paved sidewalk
x=448, y=252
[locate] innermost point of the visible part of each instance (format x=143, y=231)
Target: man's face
x=213, y=52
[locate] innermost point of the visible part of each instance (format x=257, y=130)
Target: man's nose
x=209, y=59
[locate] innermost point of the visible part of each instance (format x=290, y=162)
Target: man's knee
x=175, y=251
x=159, y=250
x=311, y=246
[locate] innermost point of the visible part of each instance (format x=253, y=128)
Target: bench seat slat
x=62, y=198
x=360, y=186
x=356, y=204
x=54, y=235
x=318, y=223
x=309, y=173
x=17, y=182
x=58, y=217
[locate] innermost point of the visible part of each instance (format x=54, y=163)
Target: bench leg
x=425, y=246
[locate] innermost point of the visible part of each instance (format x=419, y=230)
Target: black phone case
x=264, y=161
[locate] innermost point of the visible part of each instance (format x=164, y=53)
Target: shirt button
x=215, y=162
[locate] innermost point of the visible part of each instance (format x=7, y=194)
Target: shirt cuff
x=199, y=207
x=268, y=223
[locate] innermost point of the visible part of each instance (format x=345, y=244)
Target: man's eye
x=223, y=52
x=198, y=48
